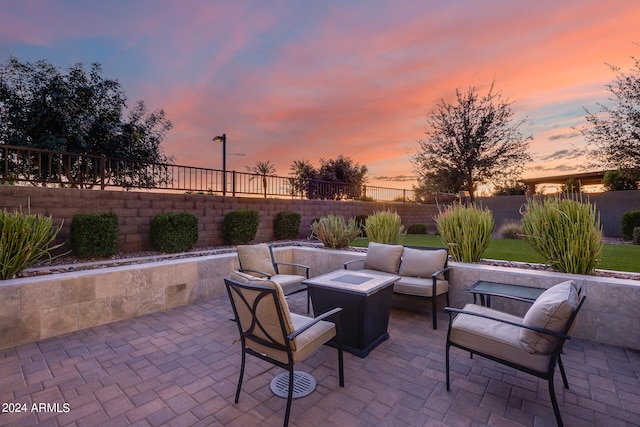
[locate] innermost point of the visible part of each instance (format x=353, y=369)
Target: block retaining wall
x=136, y=209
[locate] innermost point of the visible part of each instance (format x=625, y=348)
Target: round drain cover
x=303, y=384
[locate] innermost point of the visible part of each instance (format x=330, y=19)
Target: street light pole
x=223, y=138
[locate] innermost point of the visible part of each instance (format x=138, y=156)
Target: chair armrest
x=444, y=271
x=246, y=270
x=335, y=311
x=348, y=263
x=306, y=267
x=451, y=310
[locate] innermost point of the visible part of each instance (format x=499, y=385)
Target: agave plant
x=334, y=232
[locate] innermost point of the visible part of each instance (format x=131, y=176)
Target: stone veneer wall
x=136, y=209
x=40, y=307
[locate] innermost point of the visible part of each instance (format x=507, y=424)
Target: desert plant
x=334, y=232
x=94, y=234
x=510, y=230
x=636, y=236
x=630, y=220
x=240, y=226
x=174, y=231
x=24, y=240
x=286, y=225
x=465, y=230
x=384, y=227
x=417, y=229
x=565, y=231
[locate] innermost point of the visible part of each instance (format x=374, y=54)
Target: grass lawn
x=614, y=257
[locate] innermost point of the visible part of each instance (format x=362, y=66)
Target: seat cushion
x=495, y=338
x=383, y=257
x=256, y=257
x=419, y=287
x=552, y=311
x=289, y=282
x=422, y=263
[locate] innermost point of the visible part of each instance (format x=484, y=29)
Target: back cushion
x=383, y=257
x=266, y=309
x=422, y=263
x=552, y=311
x=256, y=257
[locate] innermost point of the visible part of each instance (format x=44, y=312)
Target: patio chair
x=269, y=331
x=531, y=344
x=258, y=260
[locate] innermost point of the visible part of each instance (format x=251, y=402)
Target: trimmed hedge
x=174, y=231
x=630, y=220
x=286, y=225
x=240, y=226
x=94, y=235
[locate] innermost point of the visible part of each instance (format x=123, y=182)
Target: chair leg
x=241, y=376
x=308, y=302
x=289, y=397
x=447, y=363
x=433, y=310
x=554, y=403
x=340, y=357
x=564, y=376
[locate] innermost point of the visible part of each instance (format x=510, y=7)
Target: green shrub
x=510, y=230
x=94, y=235
x=630, y=220
x=174, y=231
x=565, y=231
x=384, y=227
x=334, y=232
x=417, y=229
x=240, y=226
x=24, y=240
x=465, y=230
x=286, y=225
x=636, y=236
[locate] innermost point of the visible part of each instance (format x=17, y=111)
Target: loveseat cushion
x=383, y=257
x=422, y=263
x=551, y=311
x=419, y=286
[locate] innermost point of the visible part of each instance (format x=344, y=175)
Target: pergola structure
x=585, y=178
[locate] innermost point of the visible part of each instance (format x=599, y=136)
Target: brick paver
x=180, y=367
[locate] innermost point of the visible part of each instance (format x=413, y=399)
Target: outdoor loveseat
x=423, y=270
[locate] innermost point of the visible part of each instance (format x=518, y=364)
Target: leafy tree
x=615, y=130
x=510, y=188
x=264, y=169
x=571, y=185
x=621, y=179
x=340, y=178
x=79, y=111
x=470, y=142
x=303, y=172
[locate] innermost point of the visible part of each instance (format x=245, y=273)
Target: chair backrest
x=555, y=309
x=257, y=257
x=261, y=312
x=432, y=248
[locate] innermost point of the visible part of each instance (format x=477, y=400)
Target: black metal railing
x=35, y=166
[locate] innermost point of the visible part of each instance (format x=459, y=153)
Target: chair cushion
x=383, y=257
x=552, y=311
x=256, y=257
x=422, y=263
x=419, y=287
x=265, y=310
x=494, y=338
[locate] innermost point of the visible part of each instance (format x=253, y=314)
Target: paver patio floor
x=180, y=367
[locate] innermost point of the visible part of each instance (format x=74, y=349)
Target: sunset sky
x=289, y=80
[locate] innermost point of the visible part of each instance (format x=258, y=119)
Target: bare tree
x=470, y=142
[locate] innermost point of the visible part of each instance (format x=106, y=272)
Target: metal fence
x=34, y=166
